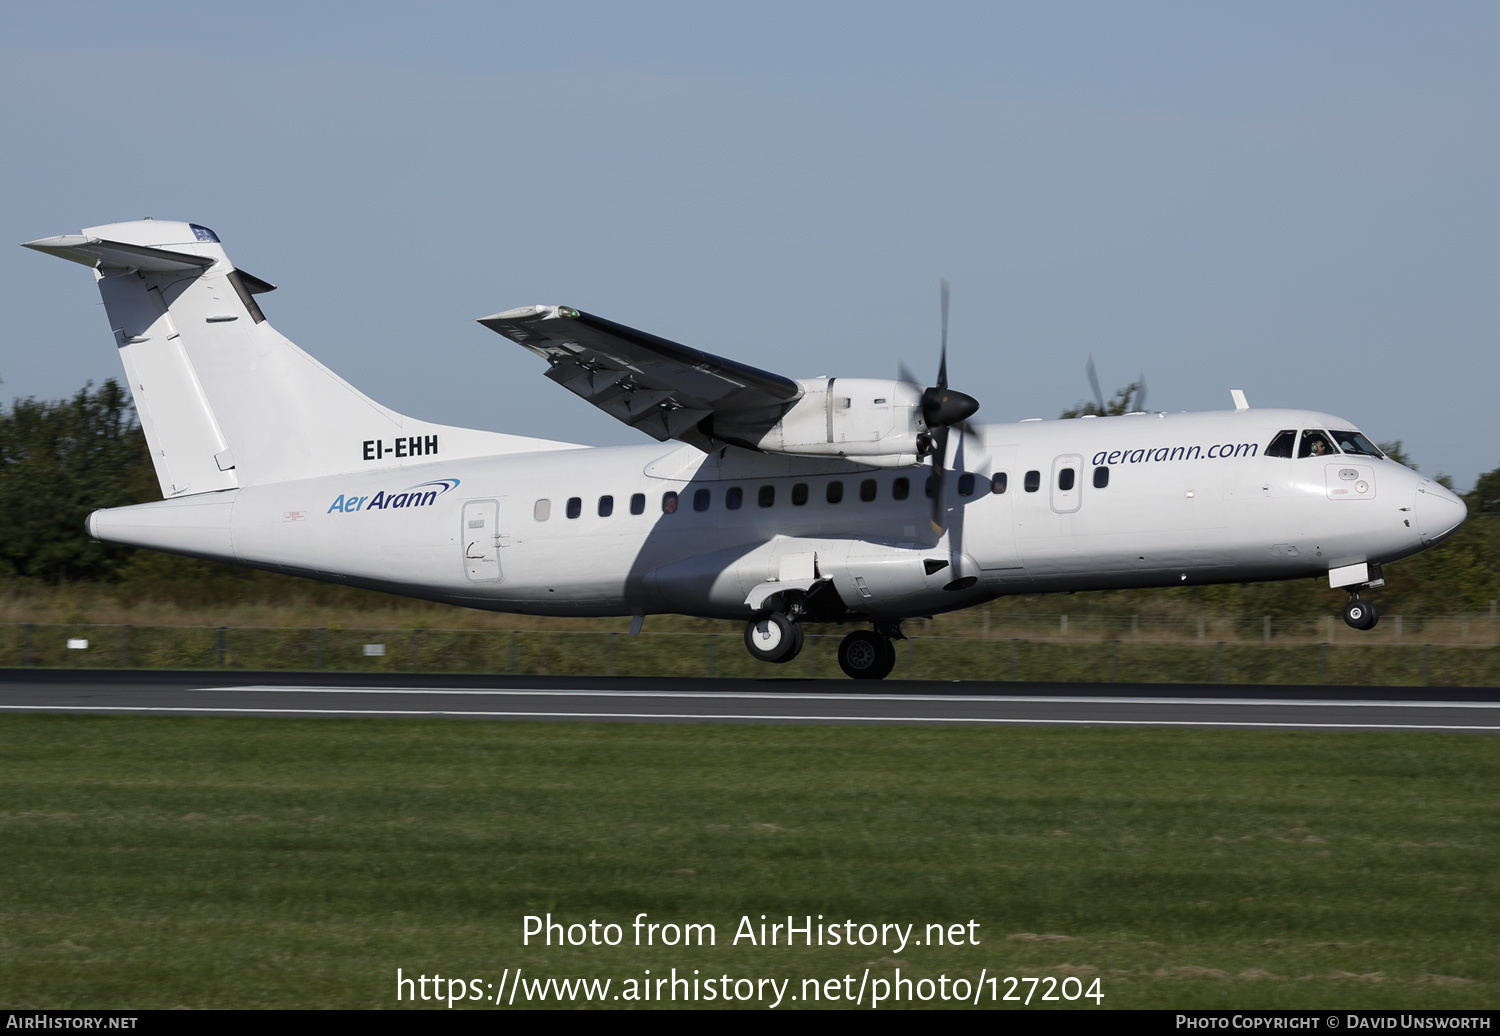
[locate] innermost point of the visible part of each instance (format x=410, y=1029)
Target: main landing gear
x=1361, y=614
x=773, y=637
x=866, y=655
x=863, y=655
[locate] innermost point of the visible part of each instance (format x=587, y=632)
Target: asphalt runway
x=672, y=700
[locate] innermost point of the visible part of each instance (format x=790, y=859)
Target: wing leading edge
x=665, y=389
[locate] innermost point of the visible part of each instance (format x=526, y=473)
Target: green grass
x=150, y=863
x=721, y=653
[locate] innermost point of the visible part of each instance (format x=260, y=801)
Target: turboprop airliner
x=754, y=496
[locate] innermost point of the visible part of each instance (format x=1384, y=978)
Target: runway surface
x=669, y=700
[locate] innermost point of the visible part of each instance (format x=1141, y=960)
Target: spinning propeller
x=1132, y=405
x=942, y=408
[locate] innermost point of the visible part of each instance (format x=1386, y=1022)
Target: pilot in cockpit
x=1315, y=444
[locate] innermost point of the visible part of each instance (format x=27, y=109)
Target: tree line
x=62, y=459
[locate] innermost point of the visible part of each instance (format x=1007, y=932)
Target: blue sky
x=1294, y=199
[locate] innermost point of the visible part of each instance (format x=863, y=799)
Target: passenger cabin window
x=799, y=494
x=638, y=503
x=542, y=511
x=1315, y=444
x=606, y=506
x=1033, y=481
x=575, y=506
x=867, y=490
x=835, y=492
x=1281, y=446
x=1065, y=479
x=966, y=484
x=901, y=488
x=1000, y=483
x=767, y=496
x=1101, y=477
x=734, y=498
x=701, y=499
x=669, y=502
x=1357, y=444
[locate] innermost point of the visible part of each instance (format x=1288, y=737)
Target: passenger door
x=481, y=539
x=1067, y=483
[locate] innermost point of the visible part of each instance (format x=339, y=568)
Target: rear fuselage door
x=1067, y=481
x=481, y=539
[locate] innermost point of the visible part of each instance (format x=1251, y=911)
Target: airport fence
x=1291, y=652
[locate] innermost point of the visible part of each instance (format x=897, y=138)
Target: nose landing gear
x=1361, y=614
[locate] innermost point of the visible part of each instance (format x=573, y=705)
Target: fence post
x=1114, y=662
x=1322, y=660
x=414, y=649
x=1135, y=624
x=28, y=643
x=1398, y=627
x=125, y=646
x=512, y=652
x=1064, y=629
x=1426, y=668
x=1219, y=662
x=611, y=653
x=221, y=645
x=1012, y=659
x=320, y=648
x=1202, y=634
x=1267, y=627
x=711, y=637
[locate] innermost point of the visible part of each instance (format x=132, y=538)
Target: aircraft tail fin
x=224, y=399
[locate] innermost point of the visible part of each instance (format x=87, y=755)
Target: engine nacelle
x=870, y=420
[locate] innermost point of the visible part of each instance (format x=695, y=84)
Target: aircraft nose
x=1439, y=512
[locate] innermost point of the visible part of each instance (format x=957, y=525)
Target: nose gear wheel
x=1361, y=614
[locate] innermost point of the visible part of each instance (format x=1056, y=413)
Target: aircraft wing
x=664, y=389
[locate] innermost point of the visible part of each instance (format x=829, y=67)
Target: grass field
x=153, y=863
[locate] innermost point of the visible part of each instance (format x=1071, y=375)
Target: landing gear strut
x=1361, y=614
x=773, y=637
x=866, y=655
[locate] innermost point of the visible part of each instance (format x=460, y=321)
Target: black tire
x=773, y=638
x=1361, y=615
x=866, y=655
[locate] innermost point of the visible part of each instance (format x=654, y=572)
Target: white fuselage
x=1190, y=499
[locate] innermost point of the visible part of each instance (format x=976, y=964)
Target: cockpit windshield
x=1315, y=443
x=1354, y=442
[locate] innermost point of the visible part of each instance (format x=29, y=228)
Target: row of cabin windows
x=1314, y=443
x=734, y=496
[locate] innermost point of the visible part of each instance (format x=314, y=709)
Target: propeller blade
x=1140, y=395
x=939, y=473
x=942, y=381
x=1094, y=384
x=903, y=372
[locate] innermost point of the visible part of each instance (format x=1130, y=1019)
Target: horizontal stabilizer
x=117, y=255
